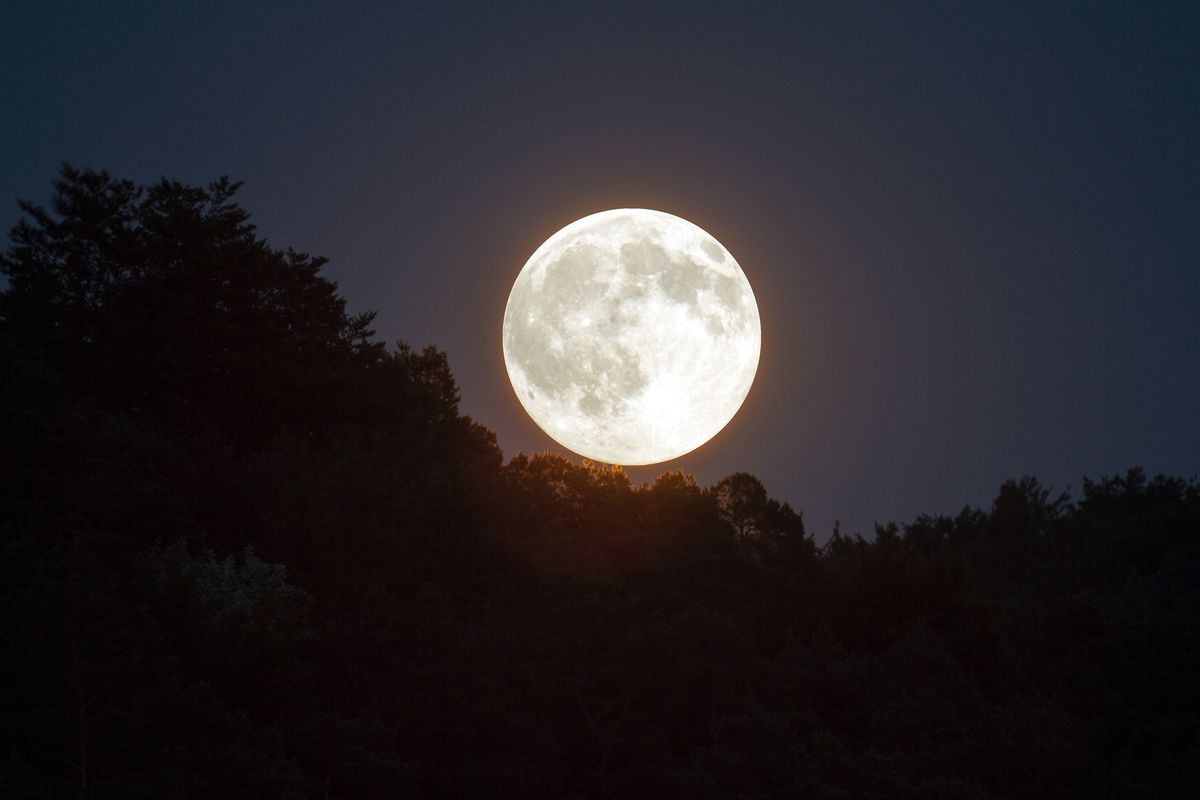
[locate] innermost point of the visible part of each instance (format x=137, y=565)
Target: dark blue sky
x=973, y=229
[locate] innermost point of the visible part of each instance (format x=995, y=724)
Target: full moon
x=631, y=336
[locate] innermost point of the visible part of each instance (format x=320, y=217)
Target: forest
x=249, y=551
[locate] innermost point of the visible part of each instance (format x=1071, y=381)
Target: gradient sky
x=973, y=229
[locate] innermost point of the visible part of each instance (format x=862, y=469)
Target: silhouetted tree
x=760, y=523
x=161, y=301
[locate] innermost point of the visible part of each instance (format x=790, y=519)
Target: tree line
x=248, y=551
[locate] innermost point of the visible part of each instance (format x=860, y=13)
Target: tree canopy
x=246, y=550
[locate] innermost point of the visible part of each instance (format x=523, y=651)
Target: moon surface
x=631, y=336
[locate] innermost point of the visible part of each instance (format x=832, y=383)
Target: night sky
x=973, y=231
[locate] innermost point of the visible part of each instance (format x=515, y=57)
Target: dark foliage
x=248, y=552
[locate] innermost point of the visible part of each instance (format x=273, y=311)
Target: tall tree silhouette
x=162, y=301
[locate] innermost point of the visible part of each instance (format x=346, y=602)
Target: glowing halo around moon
x=631, y=336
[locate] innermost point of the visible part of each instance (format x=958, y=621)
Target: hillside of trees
x=248, y=551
